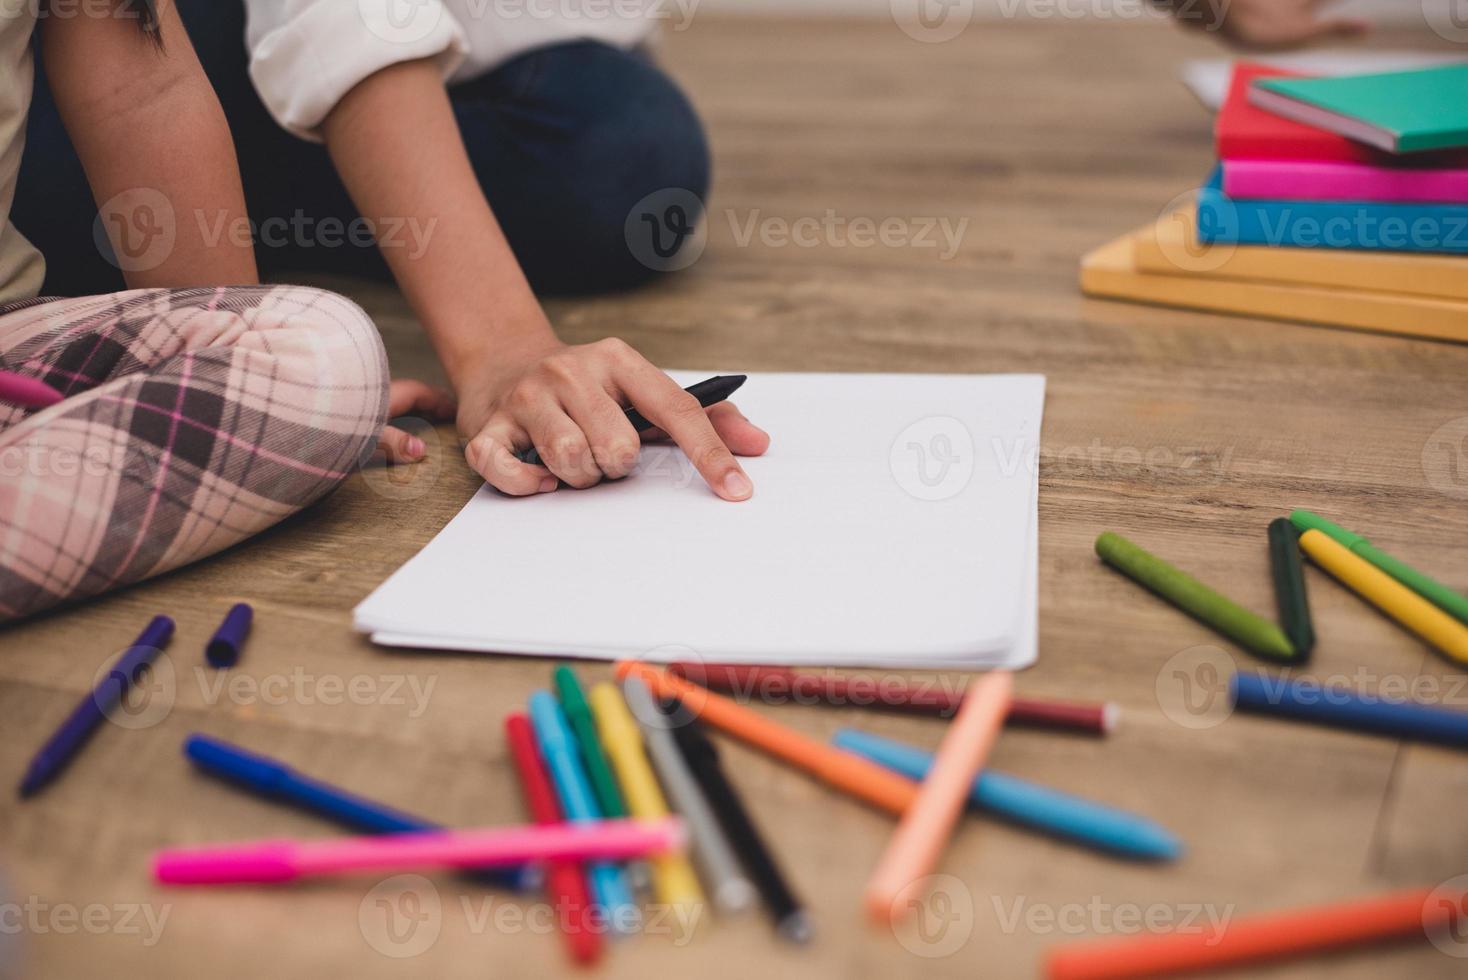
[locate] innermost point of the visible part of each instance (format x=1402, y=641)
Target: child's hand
x=569, y=402
x=416, y=397
x=1266, y=23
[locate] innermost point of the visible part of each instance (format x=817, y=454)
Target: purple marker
x=224, y=647
x=85, y=718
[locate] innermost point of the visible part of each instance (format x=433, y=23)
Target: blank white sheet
x=894, y=523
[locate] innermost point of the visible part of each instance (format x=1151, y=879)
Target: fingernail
x=737, y=485
x=549, y=484
x=415, y=446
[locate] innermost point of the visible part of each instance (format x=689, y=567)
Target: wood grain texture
x=1184, y=431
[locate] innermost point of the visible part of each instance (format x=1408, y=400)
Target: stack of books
x=1340, y=201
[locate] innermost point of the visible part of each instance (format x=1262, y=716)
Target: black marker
x=708, y=392
x=791, y=920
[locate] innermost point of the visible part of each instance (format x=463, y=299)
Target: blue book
x=1373, y=225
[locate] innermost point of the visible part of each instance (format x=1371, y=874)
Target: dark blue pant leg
x=565, y=141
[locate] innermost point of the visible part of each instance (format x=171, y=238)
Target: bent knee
x=328, y=372
x=629, y=138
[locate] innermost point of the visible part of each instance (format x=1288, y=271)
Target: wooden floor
x=1186, y=432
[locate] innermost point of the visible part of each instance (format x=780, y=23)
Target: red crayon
x=565, y=881
x=782, y=683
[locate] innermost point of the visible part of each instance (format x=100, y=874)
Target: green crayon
x=1251, y=631
x=1289, y=586
x=1448, y=600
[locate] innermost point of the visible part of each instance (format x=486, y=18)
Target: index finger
x=679, y=414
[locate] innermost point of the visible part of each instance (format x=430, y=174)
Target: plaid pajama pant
x=193, y=419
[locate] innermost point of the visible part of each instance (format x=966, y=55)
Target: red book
x=1246, y=132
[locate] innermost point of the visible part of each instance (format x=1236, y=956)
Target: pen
x=791, y=921
x=730, y=889
x=271, y=779
x=1029, y=804
x=849, y=773
x=710, y=391
x=63, y=746
x=285, y=860
x=558, y=749
x=565, y=881
x=673, y=878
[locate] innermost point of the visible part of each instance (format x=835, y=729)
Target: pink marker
x=285, y=860
x=27, y=392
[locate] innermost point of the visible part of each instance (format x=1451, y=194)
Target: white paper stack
x=894, y=524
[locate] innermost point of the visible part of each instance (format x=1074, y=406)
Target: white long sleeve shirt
x=305, y=55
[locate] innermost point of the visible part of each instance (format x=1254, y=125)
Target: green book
x=1398, y=111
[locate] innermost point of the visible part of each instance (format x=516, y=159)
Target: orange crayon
x=842, y=770
x=1271, y=936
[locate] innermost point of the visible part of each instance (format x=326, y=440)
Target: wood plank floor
x=1186, y=432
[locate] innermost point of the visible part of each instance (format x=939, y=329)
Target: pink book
x=1324, y=180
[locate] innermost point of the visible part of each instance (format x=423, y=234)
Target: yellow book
x=1172, y=248
x=1111, y=272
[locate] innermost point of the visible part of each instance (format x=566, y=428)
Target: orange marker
x=926, y=825
x=1274, y=935
x=843, y=770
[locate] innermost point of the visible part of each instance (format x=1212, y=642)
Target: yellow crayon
x=673, y=877
x=1387, y=594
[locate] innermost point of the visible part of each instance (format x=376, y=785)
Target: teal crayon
x=1450, y=601
x=1248, y=629
x=1289, y=586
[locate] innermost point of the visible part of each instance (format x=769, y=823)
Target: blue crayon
x=1308, y=700
x=277, y=781
x=1026, y=803
x=559, y=749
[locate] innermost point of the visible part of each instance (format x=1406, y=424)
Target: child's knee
x=335, y=363
x=628, y=137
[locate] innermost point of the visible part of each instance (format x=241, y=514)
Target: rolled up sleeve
x=305, y=55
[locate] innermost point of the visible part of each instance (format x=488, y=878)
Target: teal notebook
x=1400, y=111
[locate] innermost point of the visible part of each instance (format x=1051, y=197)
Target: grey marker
x=717, y=862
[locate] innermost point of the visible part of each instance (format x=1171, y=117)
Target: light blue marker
x=558, y=748
x=1024, y=802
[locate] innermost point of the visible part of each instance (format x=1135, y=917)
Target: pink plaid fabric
x=193, y=419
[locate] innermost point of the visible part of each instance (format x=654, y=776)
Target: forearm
x=397, y=147
x=144, y=118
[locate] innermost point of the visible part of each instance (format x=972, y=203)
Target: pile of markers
x=628, y=799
